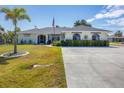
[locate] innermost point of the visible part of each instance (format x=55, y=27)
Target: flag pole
x=53, y=25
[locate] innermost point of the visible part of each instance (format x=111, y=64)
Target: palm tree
x=15, y=15
x=118, y=33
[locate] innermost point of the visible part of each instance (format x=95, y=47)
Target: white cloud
x=112, y=14
x=109, y=6
x=98, y=16
x=116, y=22
x=110, y=11
x=90, y=20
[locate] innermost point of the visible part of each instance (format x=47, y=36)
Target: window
x=95, y=36
x=76, y=37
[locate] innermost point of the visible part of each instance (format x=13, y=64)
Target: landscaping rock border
x=11, y=55
x=38, y=65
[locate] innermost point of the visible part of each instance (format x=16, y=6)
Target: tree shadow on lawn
x=3, y=61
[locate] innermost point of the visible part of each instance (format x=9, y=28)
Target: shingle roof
x=87, y=28
x=49, y=30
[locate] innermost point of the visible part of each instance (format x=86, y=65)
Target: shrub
x=56, y=43
x=63, y=43
x=75, y=43
x=81, y=43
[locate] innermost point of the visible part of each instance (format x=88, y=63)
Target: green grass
x=15, y=73
x=115, y=44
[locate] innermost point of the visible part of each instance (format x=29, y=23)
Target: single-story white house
x=49, y=34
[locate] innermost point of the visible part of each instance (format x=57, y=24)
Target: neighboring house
x=114, y=38
x=49, y=34
x=1, y=33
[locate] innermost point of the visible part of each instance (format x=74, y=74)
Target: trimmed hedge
x=81, y=43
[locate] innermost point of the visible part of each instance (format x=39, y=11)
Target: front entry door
x=41, y=39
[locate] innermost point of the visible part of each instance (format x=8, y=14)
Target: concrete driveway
x=94, y=67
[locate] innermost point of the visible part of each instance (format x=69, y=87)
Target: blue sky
x=105, y=17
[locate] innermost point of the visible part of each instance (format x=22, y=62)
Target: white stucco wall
x=69, y=35
x=32, y=37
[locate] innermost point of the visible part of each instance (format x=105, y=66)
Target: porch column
x=35, y=39
x=46, y=38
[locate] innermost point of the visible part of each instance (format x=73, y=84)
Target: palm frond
x=19, y=11
x=24, y=17
x=5, y=10
x=9, y=15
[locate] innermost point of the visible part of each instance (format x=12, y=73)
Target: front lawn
x=115, y=43
x=15, y=72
